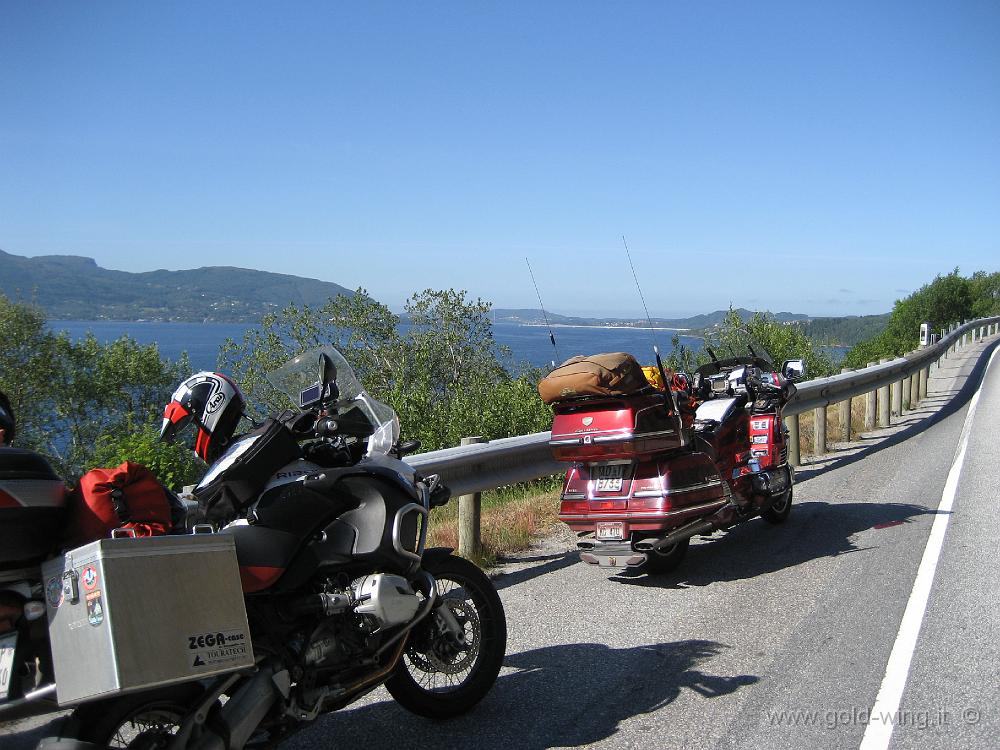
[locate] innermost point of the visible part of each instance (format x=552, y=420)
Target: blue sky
x=819, y=158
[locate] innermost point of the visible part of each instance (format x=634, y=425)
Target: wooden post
x=845, y=417
x=819, y=430
x=792, y=425
x=870, y=403
x=914, y=390
x=897, y=398
x=469, y=511
x=907, y=402
x=884, y=419
x=925, y=375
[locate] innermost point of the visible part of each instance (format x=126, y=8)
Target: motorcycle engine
x=387, y=600
x=382, y=601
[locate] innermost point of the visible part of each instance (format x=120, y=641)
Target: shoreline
x=604, y=327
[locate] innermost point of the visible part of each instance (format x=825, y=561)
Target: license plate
x=8, y=644
x=610, y=531
x=609, y=478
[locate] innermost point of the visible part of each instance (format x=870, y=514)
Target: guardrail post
x=897, y=398
x=845, y=417
x=792, y=425
x=914, y=390
x=870, y=403
x=469, y=512
x=906, y=401
x=925, y=375
x=819, y=430
x=884, y=420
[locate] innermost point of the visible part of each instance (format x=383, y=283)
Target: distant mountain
x=71, y=287
x=695, y=322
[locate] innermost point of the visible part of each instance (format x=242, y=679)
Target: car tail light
x=650, y=503
x=574, y=506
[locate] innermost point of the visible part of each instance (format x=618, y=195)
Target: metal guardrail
x=486, y=466
x=826, y=391
x=474, y=468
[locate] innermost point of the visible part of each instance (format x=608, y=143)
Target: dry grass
x=511, y=518
x=834, y=434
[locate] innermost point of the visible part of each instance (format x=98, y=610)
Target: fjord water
x=526, y=343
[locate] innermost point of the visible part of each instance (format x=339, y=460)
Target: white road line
x=882, y=717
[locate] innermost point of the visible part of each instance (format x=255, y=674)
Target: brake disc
x=443, y=655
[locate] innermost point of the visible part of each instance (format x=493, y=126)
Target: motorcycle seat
x=716, y=411
x=263, y=554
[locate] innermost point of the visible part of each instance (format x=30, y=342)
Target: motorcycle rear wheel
x=436, y=678
x=657, y=562
x=141, y=721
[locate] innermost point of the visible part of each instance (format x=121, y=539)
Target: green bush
x=945, y=300
x=174, y=464
x=442, y=370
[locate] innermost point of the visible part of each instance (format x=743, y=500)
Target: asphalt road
x=765, y=637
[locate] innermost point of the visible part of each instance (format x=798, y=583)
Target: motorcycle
x=341, y=594
x=654, y=468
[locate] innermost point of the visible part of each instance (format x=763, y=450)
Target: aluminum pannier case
x=128, y=614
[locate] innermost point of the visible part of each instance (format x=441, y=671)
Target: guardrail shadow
x=565, y=695
x=948, y=407
x=813, y=530
x=549, y=564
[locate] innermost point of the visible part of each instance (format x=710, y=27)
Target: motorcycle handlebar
x=326, y=427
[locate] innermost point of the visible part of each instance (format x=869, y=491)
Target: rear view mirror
x=793, y=369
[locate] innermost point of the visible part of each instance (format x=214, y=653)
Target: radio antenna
x=545, y=315
x=656, y=349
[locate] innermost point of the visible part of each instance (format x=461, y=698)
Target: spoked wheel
x=144, y=721
x=443, y=673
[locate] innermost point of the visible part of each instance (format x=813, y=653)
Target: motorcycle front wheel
x=141, y=721
x=780, y=507
x=438, y=676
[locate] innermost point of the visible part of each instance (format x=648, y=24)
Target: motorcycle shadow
x=566, y=695
x=813, y=530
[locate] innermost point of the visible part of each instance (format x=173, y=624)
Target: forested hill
x=72, y=287
x=844, y=331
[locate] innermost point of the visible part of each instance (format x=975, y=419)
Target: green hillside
x=70, y=287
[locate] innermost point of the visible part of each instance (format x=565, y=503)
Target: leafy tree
x=440, y=368
x=781, y=341
x=27, y=364
x=68, y=394
x=946, y=300
x=985, y=290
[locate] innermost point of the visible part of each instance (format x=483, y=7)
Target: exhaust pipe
x=724, y=516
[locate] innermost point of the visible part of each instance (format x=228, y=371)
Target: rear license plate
x=8, y=644
x=609, y=478
x=610, y=531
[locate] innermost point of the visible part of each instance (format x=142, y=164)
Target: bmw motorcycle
x=341, y=594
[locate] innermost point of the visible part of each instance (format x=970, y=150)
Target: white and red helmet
x=213, y=402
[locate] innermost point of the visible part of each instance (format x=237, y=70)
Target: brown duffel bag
x=616, y=374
